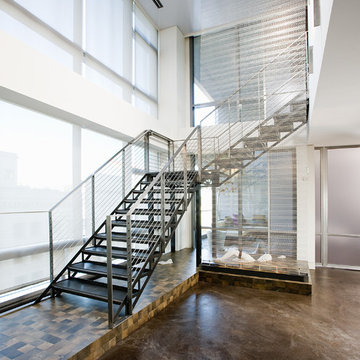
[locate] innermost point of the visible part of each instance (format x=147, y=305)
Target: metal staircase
x=108, y=234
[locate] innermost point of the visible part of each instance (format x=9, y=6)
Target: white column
x=305, y=182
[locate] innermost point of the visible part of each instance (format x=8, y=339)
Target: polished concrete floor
x=58, y=328
x=218, y=322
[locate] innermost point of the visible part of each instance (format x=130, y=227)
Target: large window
x=110, y=42
x=35, y=173
x=36, y=158
x=39, y=156
x=145, y=55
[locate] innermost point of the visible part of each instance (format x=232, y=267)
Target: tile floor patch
x=67, y=324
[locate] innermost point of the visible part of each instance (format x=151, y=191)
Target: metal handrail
x=156, y=179
x=24, y=212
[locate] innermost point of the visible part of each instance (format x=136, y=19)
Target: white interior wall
x=305, y=170
x=335, y=116
x=317, y=39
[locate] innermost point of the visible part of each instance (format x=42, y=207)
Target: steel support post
x=185, y=177
x=162, y=211
x=129, y=266
x=269, y=203
x=240, y=212
x=146, y=153
x=109, y=271
x=213, y=217
x=198, y=224
x=199, y=153
x=51, y=252
x=93, y=206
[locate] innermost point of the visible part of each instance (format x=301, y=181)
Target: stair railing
x=242, y=115
x=81, y=213
x=158, y=210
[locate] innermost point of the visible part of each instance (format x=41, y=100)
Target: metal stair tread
x=119, y=236
x=140, y=224
x=116, y=252
x=156, y=191
x=156, y=212
x=154, y=201
x=91, y=289
x=98, y=268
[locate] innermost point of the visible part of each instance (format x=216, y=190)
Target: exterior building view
x=199, y=155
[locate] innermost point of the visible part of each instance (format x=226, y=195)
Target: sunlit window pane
x=58, y=14
x=36, y=159
x=33, y=39
x=145, y=27
x=96, y=149
x=109, y=33
x=145, y=67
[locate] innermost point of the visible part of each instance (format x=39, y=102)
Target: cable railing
x=239, y=124
x=75, y=219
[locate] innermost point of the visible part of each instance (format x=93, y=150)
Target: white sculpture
x=264, y=258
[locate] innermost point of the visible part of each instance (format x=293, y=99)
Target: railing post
x=185, y=176
x=123, y=173
x=199, y=153
x=93, y=205
x=146, y=153
x=129, y=266
x=169, y=150
x=109, y=271
x=51, y=251
x=172, y=154
x=162, y=211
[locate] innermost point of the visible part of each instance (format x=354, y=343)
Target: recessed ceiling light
x=158, y=4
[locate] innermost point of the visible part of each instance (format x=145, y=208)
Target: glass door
x=338, y=207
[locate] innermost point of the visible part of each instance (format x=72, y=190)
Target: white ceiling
x=336, y=116
x=192, y=16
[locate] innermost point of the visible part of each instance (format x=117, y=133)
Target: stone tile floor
x=58, y=328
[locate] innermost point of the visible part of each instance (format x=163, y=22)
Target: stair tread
x=99, y=268
x=141, y=224
x=157, y=191
x=118, y=236
x=91, y=289
x=155, y=201
x=147, y=212
x=116, y=252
